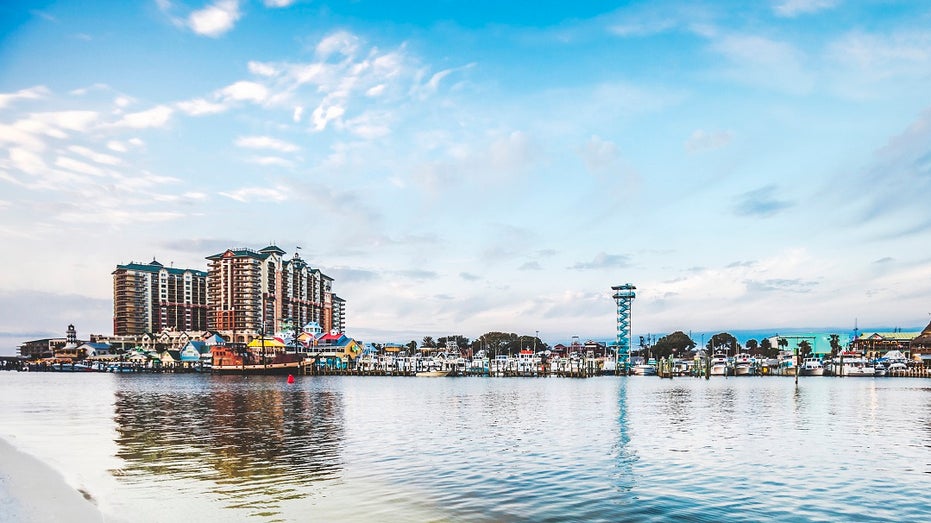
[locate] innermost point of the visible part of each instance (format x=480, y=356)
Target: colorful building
x=254, y=293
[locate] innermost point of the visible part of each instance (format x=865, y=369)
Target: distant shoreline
x=32, y=491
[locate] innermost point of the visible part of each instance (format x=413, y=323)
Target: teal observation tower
x=623, y=296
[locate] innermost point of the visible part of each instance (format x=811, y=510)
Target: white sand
x=31, y=491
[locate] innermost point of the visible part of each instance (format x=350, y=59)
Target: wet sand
x=31, y=491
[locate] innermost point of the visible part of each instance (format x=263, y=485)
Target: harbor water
x=172, y=447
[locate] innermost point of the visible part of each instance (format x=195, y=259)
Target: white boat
x=608, y=366
x=718, y=365
x=643, y=369
x=742, y=365
x=432, y=374
x=811, y=367
x=853, y=366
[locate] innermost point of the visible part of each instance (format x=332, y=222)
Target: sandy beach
x=31, y=491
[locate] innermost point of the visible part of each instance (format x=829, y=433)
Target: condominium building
x=251, y=293
x=151, y=298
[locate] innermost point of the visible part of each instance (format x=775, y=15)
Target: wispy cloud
x=793, y=8
x=702, y=140
x=155, y=117
x=761, y=202
x=200, y=106
x=265, y=142
x=257, y=194
x=764, y=63
x=603, y=261
x=32, y=93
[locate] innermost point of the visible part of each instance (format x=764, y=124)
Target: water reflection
x=252, y=443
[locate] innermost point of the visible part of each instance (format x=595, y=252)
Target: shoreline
x=31, y=490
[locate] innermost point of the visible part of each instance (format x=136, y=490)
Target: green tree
x=723, y=341
x=767, y=348
x=672, y=344
x=500, y=342
x=752, y=346
x=782, y=343
x=428, y=342
x=835, y=345
x=412, y=345
x=804, y=349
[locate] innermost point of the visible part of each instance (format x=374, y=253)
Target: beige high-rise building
x=149, y=297
x=254, y=292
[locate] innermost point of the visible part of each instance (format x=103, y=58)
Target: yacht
x=742, y=365
x=811, y=367
x=719, y=364
x=853, y=365
x=644, y=368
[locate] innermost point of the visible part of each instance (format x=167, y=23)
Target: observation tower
x=623, y=296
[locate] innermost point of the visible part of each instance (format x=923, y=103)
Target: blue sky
x=465, y=167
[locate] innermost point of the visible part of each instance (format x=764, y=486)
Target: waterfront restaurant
x=877, y=344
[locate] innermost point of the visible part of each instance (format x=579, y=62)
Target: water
x=221, y=448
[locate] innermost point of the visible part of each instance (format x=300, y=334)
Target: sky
x=466, y=167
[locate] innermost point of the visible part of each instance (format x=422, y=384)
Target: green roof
x=155, y=267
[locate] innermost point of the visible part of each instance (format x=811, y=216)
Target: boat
x=718, y=365
x=432, y=374
x=851, y=365
x=742, y=366
x=643, y=369
x=72, y=367
x=609, y=366
x=811, y=367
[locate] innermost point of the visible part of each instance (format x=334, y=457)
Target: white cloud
x=298, y=113
x=245, y=91
x=278, y=3
x=26, y=161
x=70, y=120
x=325, y=113
x=257, y=194
x=271, y=160
x=376, y=91
x=340, y=42
x=702, y=140
x=266, y=142
x=32, y=93
x=154, y=117
x=216, y=19
x=79, y=167
x=793, y=8
x=105, y=159
x=262, y=69
x=369, y=125
x=199, y=106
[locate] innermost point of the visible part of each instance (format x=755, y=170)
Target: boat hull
x=433, y=374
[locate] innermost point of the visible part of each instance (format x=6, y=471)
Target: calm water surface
x=218, y=448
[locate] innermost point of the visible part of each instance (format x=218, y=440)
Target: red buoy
x=290, y=378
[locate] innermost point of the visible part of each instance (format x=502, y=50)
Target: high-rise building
x=250, y=293
x=151, y=298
